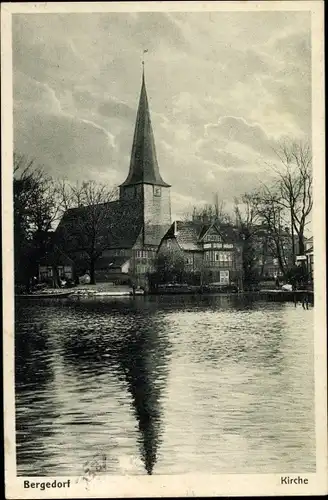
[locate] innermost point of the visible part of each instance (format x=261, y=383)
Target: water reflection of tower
x=130, y=342
x=143, y=359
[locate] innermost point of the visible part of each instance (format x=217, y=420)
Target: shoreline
x=81, y=293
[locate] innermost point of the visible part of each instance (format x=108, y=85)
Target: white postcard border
x=187, y=485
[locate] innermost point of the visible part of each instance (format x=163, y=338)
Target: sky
x=225, y=88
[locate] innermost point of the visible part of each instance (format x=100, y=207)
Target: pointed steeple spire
x=143, y=164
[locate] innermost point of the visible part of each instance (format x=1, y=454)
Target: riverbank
x=104, y=290
x=98, y=290
x=277, y=295
x=110, y=290
x=306, y=296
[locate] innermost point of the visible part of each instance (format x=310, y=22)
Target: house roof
x=186, y=233
x=226, y=231
x=118, y=223
x=143, y=164
x=189, y=234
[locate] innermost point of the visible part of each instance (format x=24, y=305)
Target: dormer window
x=213, y=237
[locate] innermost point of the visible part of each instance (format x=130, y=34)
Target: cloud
x=65, y=141
x=143, y=26
x=116, y=109
x=224, y=88
x=237, y=129
x=222, y=158
x=35, y=95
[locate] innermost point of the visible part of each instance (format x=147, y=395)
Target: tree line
x=273, y=217
x=39, y=204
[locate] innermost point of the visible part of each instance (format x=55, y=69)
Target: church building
x=133, y=225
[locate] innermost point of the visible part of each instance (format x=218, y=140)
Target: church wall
x=157, y=205
x=157, y=213
x=132, y=192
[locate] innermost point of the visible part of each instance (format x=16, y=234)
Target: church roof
x=119, y=224
x=143, y=164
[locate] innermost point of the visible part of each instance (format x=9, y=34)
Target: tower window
x=157, y=191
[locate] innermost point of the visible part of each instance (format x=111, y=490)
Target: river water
x=164, y=385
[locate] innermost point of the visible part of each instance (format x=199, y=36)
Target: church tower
x=144, y=183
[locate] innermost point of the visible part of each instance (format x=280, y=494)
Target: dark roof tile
x=119, y=225
x=190, y=233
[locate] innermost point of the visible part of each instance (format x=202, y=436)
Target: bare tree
x=210, y=213
x=35, y=212
x=35, y=195
x=247, y=223
x=275, y=212
x=88, y=226
x=273, y=221
x=294, y=187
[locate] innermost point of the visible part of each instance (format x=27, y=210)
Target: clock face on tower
x=157, y=191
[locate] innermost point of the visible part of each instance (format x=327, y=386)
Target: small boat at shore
x=40, y=295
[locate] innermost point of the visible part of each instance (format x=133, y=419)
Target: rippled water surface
x=164, y=385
